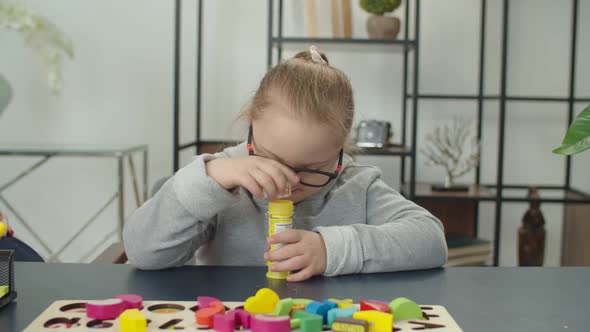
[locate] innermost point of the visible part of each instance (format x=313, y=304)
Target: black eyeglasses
x=309, y=177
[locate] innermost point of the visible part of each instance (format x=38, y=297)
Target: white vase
x=5, y=93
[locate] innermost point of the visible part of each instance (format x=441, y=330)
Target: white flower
x=46, y=41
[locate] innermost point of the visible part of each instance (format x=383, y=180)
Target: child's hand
x=257, y=174
x=303, y=250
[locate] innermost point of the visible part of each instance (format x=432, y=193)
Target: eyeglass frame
x=331, y=175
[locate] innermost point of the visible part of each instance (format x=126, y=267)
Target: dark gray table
x=480, y=299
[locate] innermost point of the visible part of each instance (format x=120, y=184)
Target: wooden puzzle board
x=174, y=315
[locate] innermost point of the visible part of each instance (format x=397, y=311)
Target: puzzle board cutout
x=176, y=315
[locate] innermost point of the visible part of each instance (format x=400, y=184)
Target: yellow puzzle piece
x=264, y=302
x=378, y=321
x=131, y=320
x=342, y=304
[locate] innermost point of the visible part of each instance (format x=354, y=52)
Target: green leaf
x=380, y=7
x=577, y=137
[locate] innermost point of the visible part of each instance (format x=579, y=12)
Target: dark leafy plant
x=380, y=7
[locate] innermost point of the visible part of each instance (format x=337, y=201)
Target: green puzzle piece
x=301, y=301
x=404, y=309
x=295, y=323
x=283, y=307
x=308, y=322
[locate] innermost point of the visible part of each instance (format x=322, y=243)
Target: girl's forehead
x=295, y=139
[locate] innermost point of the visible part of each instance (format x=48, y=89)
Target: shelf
x=36, y=150
x=393, y=150
x=476, y=192
x=548, y=195
x=493, y=97
x=215, y=146
x=511, y=193
x=451, y=96
x=209, y=146
x=395, y=44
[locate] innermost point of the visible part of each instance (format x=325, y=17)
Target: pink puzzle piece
x=224, y=323
x=105, y=309
x=131, y=301
x=243, y=318
x=269, y=323
x=234, y=319
x=205, y=301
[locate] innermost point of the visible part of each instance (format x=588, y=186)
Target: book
x=470, y=260
x=459, y=246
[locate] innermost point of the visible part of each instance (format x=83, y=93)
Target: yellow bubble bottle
x=280, y=218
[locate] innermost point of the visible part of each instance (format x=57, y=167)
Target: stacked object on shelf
x=467, y=251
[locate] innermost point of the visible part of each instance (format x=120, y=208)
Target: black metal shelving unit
x=407, y=46
x=480, y=192
x=496, y=192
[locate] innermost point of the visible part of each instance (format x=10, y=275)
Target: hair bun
x=313, y=54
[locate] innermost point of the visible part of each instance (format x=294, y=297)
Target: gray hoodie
x=366, y=225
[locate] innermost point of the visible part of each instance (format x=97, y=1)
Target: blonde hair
x=312, y=88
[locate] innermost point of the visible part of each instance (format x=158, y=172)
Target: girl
x=347, y=220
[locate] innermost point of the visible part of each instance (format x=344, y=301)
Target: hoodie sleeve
x=167, y=229
x=398, y=235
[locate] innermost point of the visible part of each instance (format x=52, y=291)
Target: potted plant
x=453, y=146
x=577, y=137
x=46, y=41
x=380, y=26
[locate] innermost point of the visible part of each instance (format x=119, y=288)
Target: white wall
x=118, y=90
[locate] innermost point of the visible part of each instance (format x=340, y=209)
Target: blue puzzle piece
x=340, y=313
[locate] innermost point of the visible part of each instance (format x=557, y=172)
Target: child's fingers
x=288, y=236
x=279, y=178
x=295, y=263
x=304, y=274
x=285, y=252
x=289, y=173
x=252, y=186
x=265, y=181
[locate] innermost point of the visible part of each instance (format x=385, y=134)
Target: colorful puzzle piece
x=320, y=308
x=131, y=320
x=131, y=301
x=302, y=301
x=378, y=321
x=349, y=325
x=263, y=302
x=283, y=307
x=205, y=316
x=233, y=319
x=308, y=322
x=340, y=313
x=205, y=301
x=343, y=303
x=300, y=304
x=105, y=309
x=404, y=309
x=224, y=323
x=374, y=305
x=269, y=323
